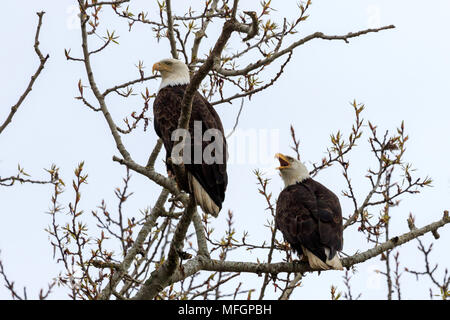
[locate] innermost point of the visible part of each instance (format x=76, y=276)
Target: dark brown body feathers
x=309, y=215
x=166, y=109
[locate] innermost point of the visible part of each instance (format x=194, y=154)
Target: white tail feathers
x=202, y=198
x=316, y=263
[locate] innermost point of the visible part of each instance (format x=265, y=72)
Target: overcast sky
x=400, y=74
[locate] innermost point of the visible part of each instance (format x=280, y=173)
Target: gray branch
x=316, y=35
x=170, y=33
x=42, y=60
x=98, y=95
x=200, y=263
x=137, y=245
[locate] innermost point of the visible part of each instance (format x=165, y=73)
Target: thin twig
x=42, y=60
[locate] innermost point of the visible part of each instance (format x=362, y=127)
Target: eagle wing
x=330, y=218
x=309, y=215
x=166, y=108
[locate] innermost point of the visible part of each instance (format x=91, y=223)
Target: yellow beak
x=156, y=67
x=284, y=162
x=159, y=67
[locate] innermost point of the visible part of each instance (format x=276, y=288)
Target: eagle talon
x=176, y=200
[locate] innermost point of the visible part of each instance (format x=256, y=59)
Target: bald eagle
x=309, y=216
x=207, y=181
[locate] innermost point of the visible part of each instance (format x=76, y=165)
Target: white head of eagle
x=173, y=72
x=291, y=170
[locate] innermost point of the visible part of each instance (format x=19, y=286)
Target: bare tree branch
x=137, y=246
x=202, y=263
x=170, y=33
x=199, y=35
x=236, y=122
x=252, y=92
x=42, y=60
x=291, y=286
x=127, y=84
x=274, y=268
x=160, y=278
x=316, y=35
x=103, y=3
x=93, y=85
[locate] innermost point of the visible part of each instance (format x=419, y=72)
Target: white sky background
x=400, y=74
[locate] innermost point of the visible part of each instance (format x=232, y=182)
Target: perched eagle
x=309, y=216
x=207, y=181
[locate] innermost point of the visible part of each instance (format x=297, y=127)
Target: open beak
x=284, y=162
